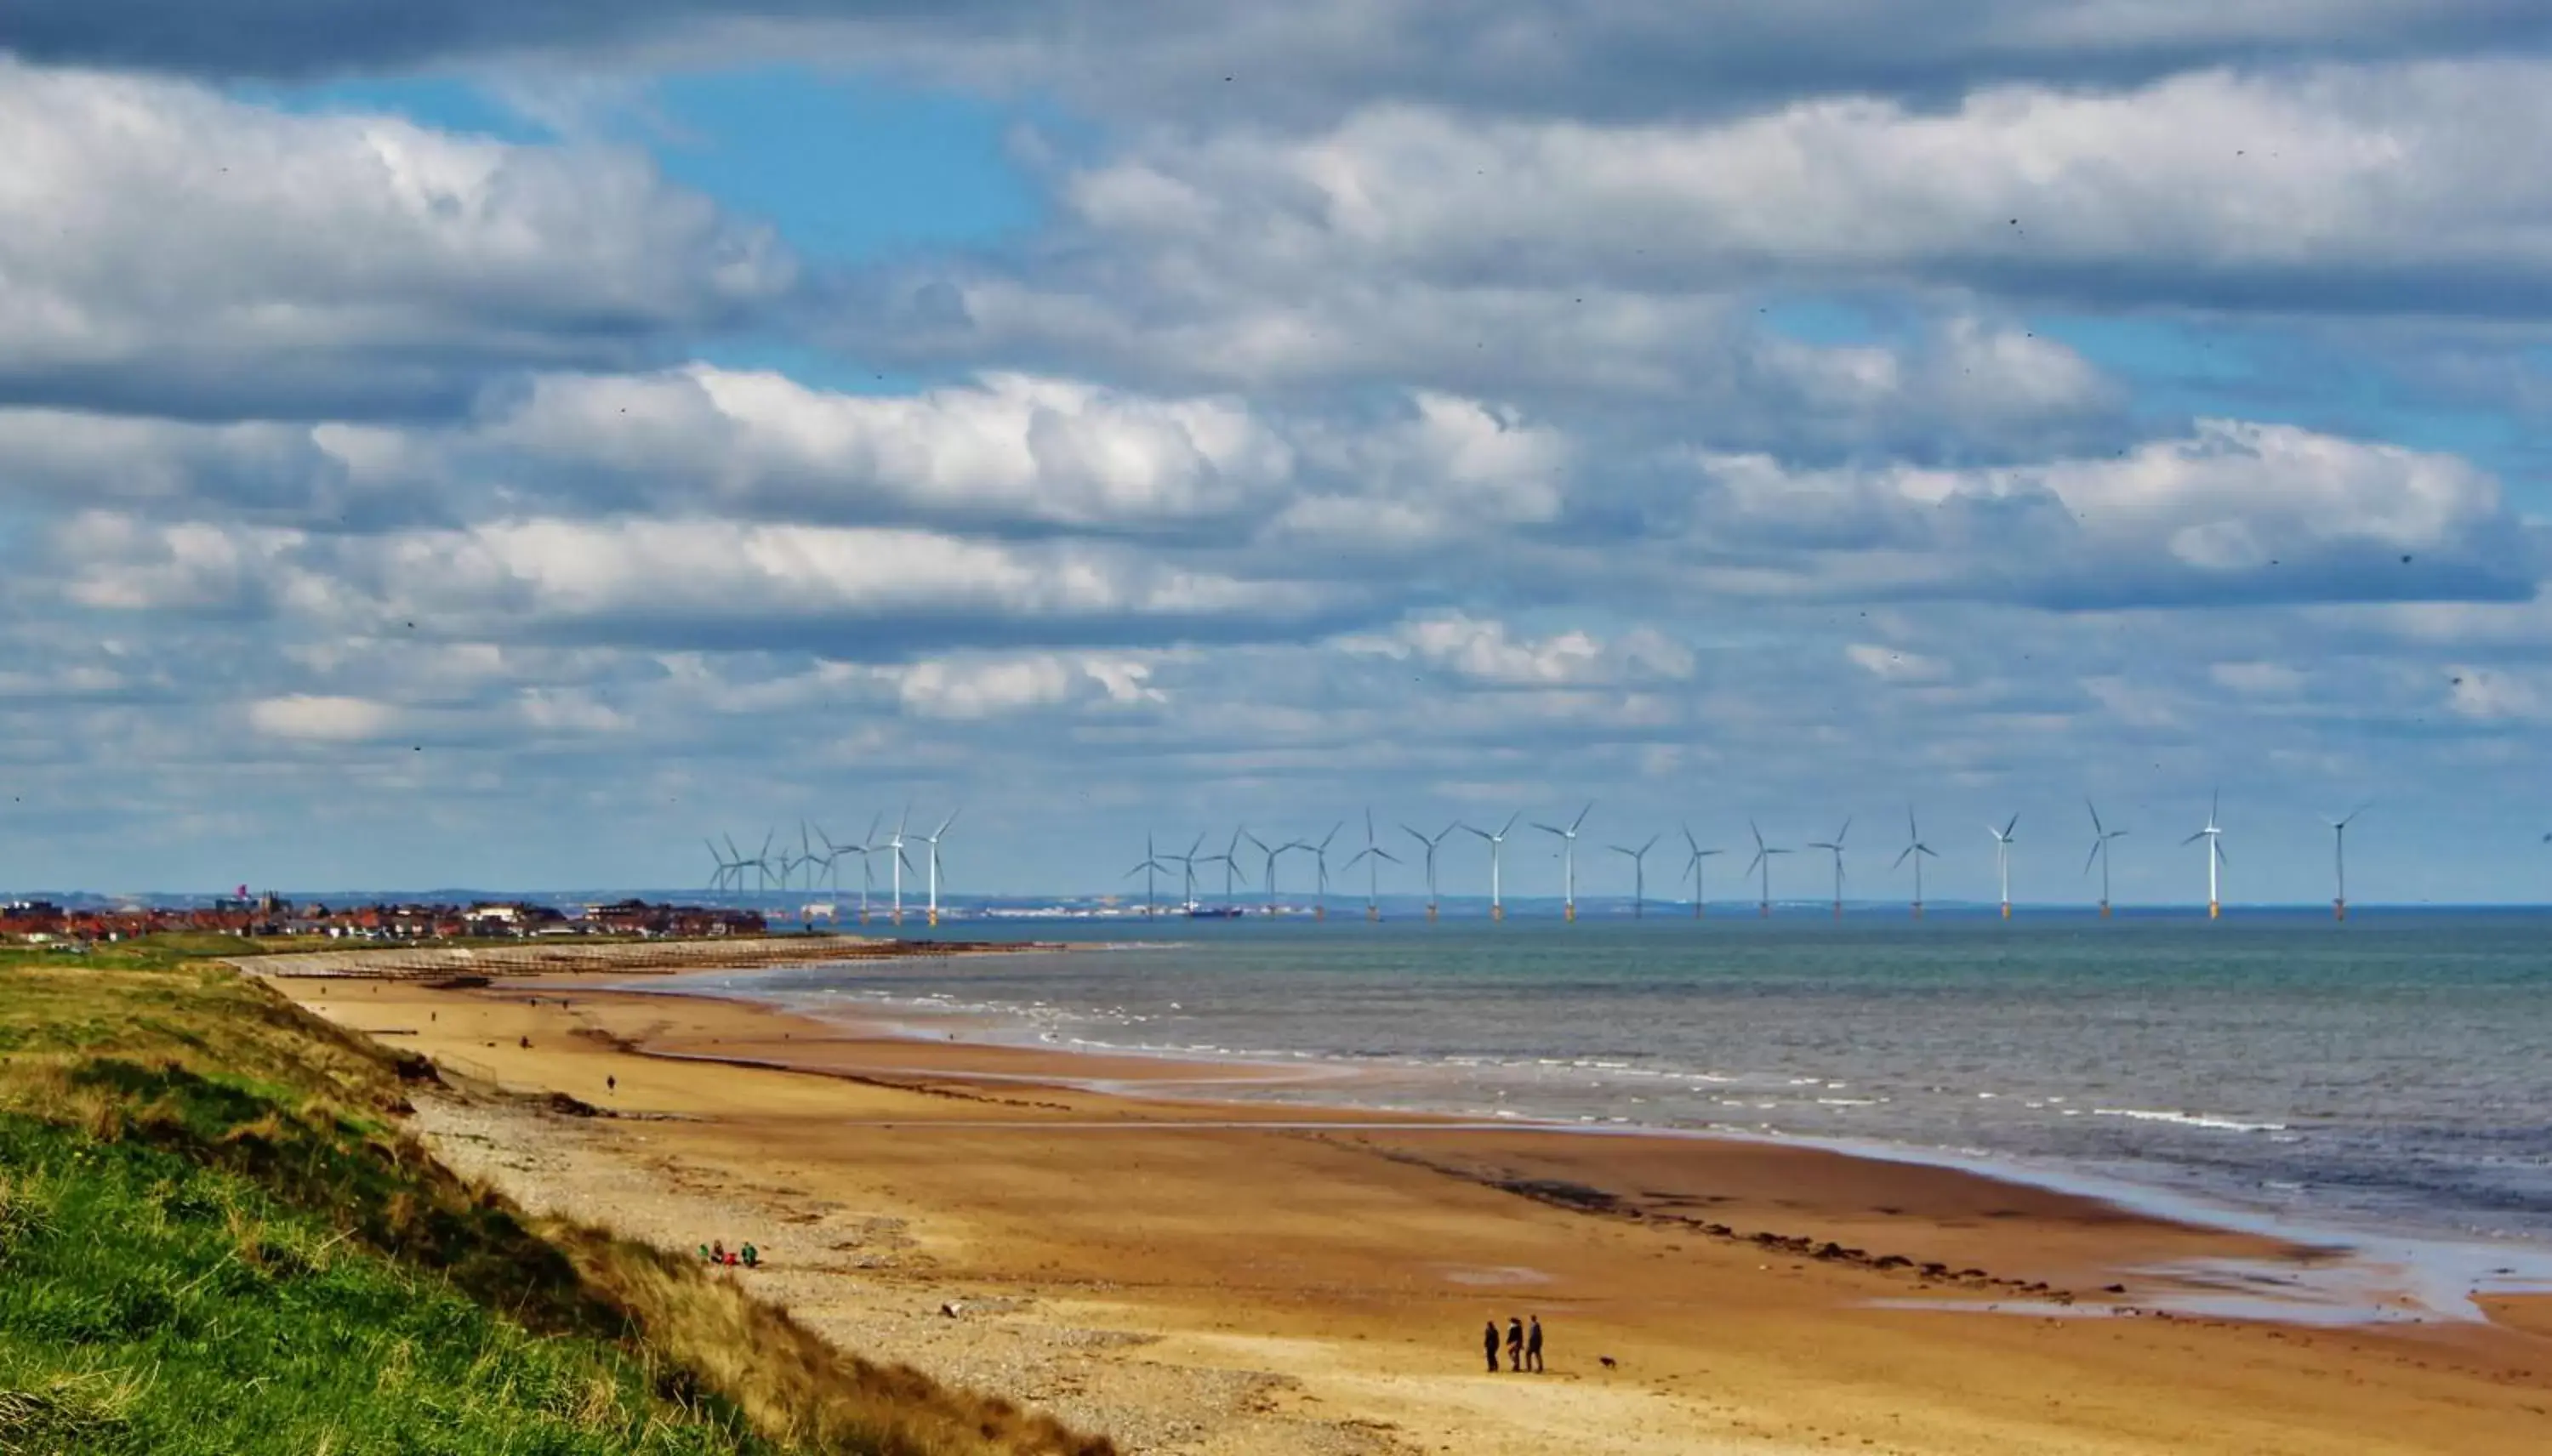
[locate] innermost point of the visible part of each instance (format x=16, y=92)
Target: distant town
x=42, y=922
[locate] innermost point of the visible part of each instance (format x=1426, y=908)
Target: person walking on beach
x=1515, y=1343
x=1532, y=1346
x=1489, y=1344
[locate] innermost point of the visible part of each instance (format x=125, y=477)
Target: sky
x=502, y=445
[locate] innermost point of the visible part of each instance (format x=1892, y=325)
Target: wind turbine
x=762, y=863
x=1320, y=854
x=735, y=864
x=2339, y=856
x=808, y=856
x=2213, y=834
x=1497, y=843
x=1374, y=853
x=1230, y=858
x=896, y=863
x=1187, y=864
x=1568, y=858
x=717, y=877
x=1917, y=851
x=932, y=840
x=1433, y=844
x=1764, y=855
x=866, y=848
x=1692, y=867
x=1271, y=858
x=2003, y=859
x=2100, y=837
x=833, y=861
x=1834, y=846
x=1639, y=875
x=1151, y=866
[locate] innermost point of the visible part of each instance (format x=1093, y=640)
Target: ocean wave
x=2188, y=1119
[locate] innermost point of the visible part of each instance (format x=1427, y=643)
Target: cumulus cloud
x=1156, y=55
x=2353, y=188
x=671, y=582
x=1008, y=448
x=1488, y=652
x=975, y=687
x=322, y=719
x=165, y=248
x=1895, y=665
x=2236, y=513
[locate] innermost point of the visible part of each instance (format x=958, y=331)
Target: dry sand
x=1216, y=1279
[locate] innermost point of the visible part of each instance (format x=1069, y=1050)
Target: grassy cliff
x=215, y=1238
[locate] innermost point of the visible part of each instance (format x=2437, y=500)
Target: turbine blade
x=1582, y=816
x=2097, y=827
x=1908, y=853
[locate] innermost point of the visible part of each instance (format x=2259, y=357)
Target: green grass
x=172, y=948
x=150, y=1304
x=214, y=1237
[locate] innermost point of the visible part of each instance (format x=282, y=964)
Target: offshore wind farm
x=1432, y=883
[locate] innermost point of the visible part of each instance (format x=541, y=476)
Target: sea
x=2391, y=1075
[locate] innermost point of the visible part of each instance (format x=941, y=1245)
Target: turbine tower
x=1271, y=857
x=762, y=863
x=1639, y=875
x=2003, y=859
x=866, y=849
x=2339, y=856
x=1692, y=867
x=1432, y=846
x=1151, y=866
x=932, y=840
x=1373, y=854
x=1834, y=846
x=1230, y=858
x=1764, y=855
x=896, y=864
x=1497, y=844
x=1187, y=864
x=1568, y=860
x=1320, y=854
x=1917, y=851
x=2213, y=834
x=2100, y=837
x=717, y=877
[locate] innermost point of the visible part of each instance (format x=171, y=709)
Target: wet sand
x=1226, y=1277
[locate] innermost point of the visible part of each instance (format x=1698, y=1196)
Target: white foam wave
x=2188, y=1119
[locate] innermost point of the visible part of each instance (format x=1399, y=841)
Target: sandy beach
x=1099, y=1237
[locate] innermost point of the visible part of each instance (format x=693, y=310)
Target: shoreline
x=1335, y=1258
x=2442, y=1275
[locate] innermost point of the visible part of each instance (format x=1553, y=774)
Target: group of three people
x=1524, y=1347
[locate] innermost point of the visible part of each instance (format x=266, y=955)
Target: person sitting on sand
x=1489, y=1344
x=1515, y=1343
x=752, y=1257
x=1532, y=1346
x=717, y=1251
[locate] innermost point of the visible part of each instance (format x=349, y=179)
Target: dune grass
x=215, y=1238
